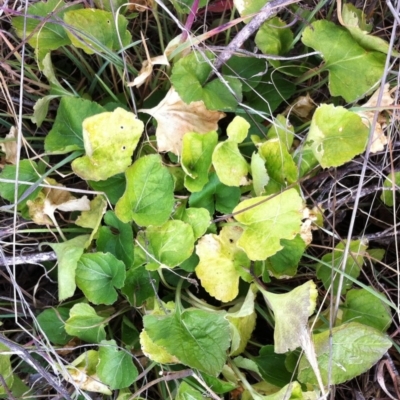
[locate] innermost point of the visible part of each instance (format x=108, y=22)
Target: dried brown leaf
x=175, y=118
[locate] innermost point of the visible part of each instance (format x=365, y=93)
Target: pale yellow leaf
x=9, y=147
x=379, y=139
x=176, y=118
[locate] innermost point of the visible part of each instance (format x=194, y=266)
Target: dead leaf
x=175, y=118
x=9, y=147
x=147, y=66
x=140, y=5
x=42, y=209
x=379, y=139
x=302, y=107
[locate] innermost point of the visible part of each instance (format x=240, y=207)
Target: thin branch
x=34, y=258
x=270, y=9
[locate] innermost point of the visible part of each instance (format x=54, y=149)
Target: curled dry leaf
x=379, y=139
x=42, y=209
x=310, y=222
x=147, y=66
x=302, y=107
x=175, y=118
x=9, y=147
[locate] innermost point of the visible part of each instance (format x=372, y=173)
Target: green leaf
x=354, y=263
x=198, y=218
x=248, y=7
x=281, y=169
x=273, y=89
x=220, y=263
x=149, y=197
x=97, y=274
x=283, y=130
x=198, y=338
x=52, y=322
x=345, y=352
x=28, y=172
x=113, y=187
x=84, y=323
x=249, y=69
x=284, y=263
x=115, y=367
x=392, y=180
x=364, y=307
x=268, y=220
x=353, y=71
x=68, y=254
x=110, y=139
x=274, y=37
x=66, y=134
x=291, y=311
x=116, y=238
x=216, y=196
x=6, y=370
x=272, y=366
x=230, y=166
x=187, y=392
x=169, y=244
x=197, y=150
x=140, y=284
x=96, y=30
x=44, y=36
x=336, y=135
x=193, y=71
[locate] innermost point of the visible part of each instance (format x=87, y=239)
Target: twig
x=266, y=12
x=34, y=258
x=25, y=355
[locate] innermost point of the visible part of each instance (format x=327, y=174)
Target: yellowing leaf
x=230, y=165
x=109, y=139
x=175, y=118
x=154, y=351
x=242, y=316
x=266, y=221
x=220, y=263
x=82, y=373
x=42, y=209
x=336, y=135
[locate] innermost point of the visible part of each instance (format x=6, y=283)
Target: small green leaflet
x=52, y=322
x=84, y=323
x=6, y=370
x=391, y=181
x=365, y=307
x=198, y=338
x=98, y=274
x=193, y=71
x=230, y=166
x=197, y=150
x=169, y=244
x=115, y=367
x=116, y=238
x=149, y=194
x=352, y=349
x=68, y=254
